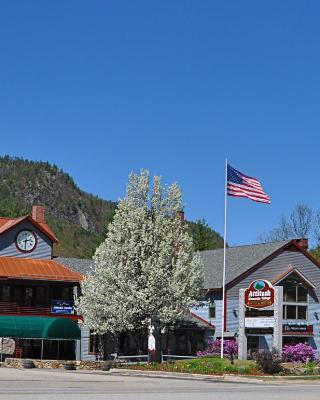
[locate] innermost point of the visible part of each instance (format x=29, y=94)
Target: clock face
x=26, y=241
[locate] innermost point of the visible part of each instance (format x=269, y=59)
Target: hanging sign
x=62, y=307
x=259, y=295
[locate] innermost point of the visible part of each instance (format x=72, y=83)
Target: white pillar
x=242, y=337
x=278, y=317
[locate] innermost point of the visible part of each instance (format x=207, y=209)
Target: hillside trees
x=204, y=238
x=79, y=219
x=146, y=268
x=300, y=223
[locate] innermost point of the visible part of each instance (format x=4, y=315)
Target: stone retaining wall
x=54, y=364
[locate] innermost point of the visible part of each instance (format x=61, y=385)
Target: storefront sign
x=62, y=307
x=259, y=322
x=297, y=328
x=259, y=331
x=250, y=312
x=259, y=295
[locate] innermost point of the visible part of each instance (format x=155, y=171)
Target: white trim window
x=295, y=299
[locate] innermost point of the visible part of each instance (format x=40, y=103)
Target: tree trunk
x=101, y=348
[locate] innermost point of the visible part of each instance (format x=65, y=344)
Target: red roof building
x=36, y=292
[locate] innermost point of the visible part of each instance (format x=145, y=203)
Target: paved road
x=48, y=385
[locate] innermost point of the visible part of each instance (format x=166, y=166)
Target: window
x=5, y=292
x=40, y=296
x=62, y=293
x=92, y=342
x=295, y=299
x=302, y=294
x=16, y=294
x=28, y=297
x=302, y=312
x=294, y=291
x=65, y=293
x=212, y=310
x=295, y=312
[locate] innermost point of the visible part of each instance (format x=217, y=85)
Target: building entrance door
x=252, y=346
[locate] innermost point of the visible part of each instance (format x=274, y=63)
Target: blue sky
x=102, y=88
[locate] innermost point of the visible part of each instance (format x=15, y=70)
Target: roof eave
x=270, y=257
x=294, y=271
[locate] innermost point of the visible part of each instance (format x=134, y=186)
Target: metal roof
x=47, y=270
x=8, y=223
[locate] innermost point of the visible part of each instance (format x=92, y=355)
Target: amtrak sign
x=259, y=295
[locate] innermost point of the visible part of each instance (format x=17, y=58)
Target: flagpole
x=224, y=259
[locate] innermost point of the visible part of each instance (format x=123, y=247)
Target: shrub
x=269, y=361
x=298, y=353
x=230, y=349
x=311, y=368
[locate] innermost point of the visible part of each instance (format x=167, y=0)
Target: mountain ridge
x=79, y=219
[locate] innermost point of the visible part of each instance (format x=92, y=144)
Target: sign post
x=260, y=313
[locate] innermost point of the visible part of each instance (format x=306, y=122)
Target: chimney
x=303, y=243
x=38, y=213
x=181, y=215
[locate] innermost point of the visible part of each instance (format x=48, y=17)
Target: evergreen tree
x=204, y=238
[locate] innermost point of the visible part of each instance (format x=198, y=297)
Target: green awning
x=39, y=328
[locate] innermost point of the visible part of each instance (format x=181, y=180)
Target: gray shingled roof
x=81, y=265
x=238, y=260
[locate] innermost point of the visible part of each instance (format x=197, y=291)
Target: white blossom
x=146, y=266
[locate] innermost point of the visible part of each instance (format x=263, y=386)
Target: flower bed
x=230, y=349
x=300, y=352
x=204, y=365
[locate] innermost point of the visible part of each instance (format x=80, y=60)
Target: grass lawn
x=205, y=365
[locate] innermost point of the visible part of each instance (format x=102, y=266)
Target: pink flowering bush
x=230, y=349
x=298, y=353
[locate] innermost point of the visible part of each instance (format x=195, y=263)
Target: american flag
x=240, y=185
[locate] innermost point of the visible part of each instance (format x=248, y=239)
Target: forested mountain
x=79, y=219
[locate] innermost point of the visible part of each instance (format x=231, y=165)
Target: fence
x=136, y=358
x=167, y=357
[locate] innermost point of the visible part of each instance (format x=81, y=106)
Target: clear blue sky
x=105, y=87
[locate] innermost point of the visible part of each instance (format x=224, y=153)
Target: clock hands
x=25, y=243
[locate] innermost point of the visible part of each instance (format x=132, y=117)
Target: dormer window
x=295, y=299
x=294, y=291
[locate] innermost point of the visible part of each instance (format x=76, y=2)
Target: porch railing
x=164, y=357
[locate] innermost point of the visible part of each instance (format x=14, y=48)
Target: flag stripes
x=240, y=185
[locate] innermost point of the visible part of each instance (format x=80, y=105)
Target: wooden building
x=37, y=315
x=287, y=264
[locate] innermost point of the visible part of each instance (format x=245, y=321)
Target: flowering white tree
x=146, y=267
